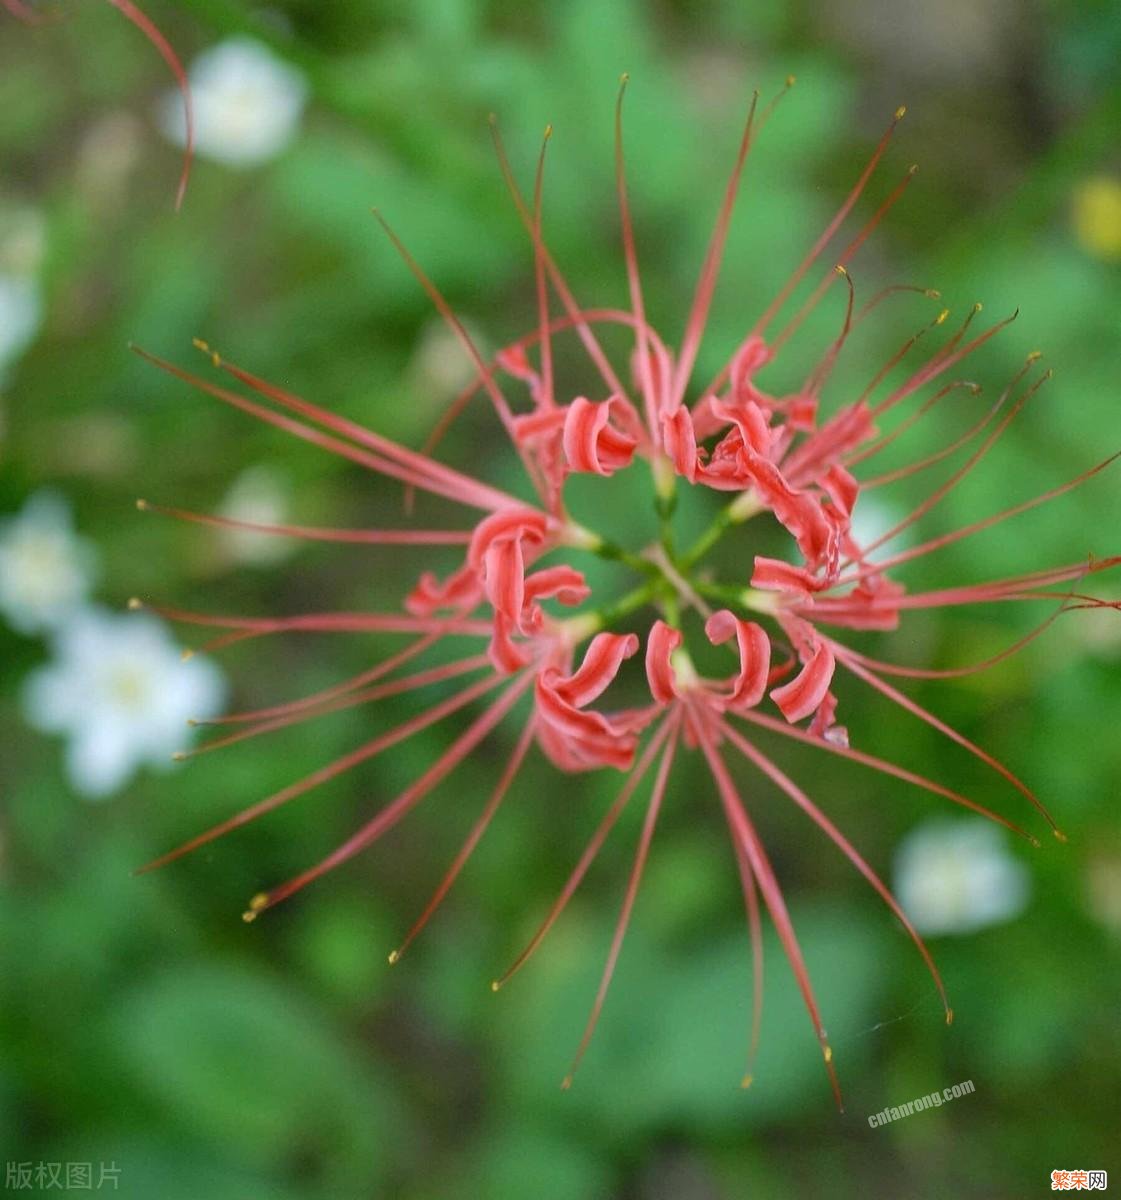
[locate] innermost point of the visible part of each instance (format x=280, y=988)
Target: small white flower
x=21, y=310
x=120, y=691
x=247, y=104
x=258, y=495
x=45, y=568
x=957, y=877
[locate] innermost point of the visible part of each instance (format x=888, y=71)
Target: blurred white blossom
x=120, y=692
x=45, y=568
x=958, y=876
x=259, y=495
x=247, y=103
x=21, y=310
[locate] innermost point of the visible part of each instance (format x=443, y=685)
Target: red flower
x=766, y=454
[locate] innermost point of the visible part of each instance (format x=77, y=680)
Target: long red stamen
x=934, y=722
x=941, y=492
x=605, y=826
x=473, y=838
x=346, y=763
x=634, y=278
x=641, y=854
x=444, y=482
x=583, y=329
x=842, y=843
x=849, y=251
x=407, y=800
x=826, y=237
x=744, y=832
x=149, y=30
x=755, y=932
x=956, y=535
x=710, y=269
x=351, y=699
x=372, y=537
x=882, y=765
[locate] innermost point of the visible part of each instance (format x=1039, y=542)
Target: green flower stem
x=743, y=508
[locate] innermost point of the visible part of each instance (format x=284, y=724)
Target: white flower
x=259, y=495
x=120, y=691
x=45, y=568
x=247, y=103
x=957, y=876
x=21, y=310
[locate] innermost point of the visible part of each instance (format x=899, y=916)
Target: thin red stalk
x=941, y=492
x=407, y=800
x=826, y=237
x=820, y=374
x=374, y=673
x=373, y=537
x=346, y=763
x=931, y=459
x=641, y=854
x=464, y=485
x=634, y=278
x=882, y=443
x=349, y=700
x=849, y=251
x=583, y=329
x=956, y=535
x=787, y=785
x=887, y=668
x=149, y=30
x=941, y=362
x=879, y=764
x=539, y=278
x=588, y=857
x=468, y=848
x=453, y=322
x=772, y=896
x=710, y=269
x=339, y=622
x=934, y=722
x=477, y=495
x=755, y=930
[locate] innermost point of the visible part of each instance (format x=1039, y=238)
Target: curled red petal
x=806, y=691
x=754, y=645
x=591, y=442
x=661, y=643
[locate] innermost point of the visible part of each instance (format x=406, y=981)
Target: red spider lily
x=771, y=454
x=22, y=11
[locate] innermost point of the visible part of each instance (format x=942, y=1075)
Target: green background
x=142, y=1022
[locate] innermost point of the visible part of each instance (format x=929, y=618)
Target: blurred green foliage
x=142, y=1022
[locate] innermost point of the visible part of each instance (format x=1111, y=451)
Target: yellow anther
x=901, y=112
x=839, y=268
x=495, y=984
x=827, y=1050
x=1035, y=355
x=746, y=1081
x=135, y=602
x=791, y=80
x=186, y=655
x=394, y=955
x=178, y=756
x=142, y=505
x=1060, y=836
x=942, y=316
x=949, y=1016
